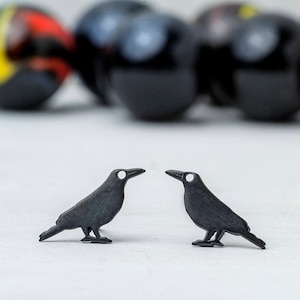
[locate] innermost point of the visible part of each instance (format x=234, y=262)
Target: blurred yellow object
x=7, y=68
x=248, y=11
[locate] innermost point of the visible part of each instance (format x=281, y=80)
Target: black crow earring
x=97, y=209
x=210, y=214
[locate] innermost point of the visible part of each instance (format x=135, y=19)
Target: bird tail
x=50, y=232
x=253, y=239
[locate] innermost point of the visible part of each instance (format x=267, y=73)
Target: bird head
x=187, y=178
x=122, y=175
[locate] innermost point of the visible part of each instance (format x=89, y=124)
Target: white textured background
x=50, y=160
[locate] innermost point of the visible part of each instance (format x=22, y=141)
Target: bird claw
x=201, y=243
x=88, y=239
x=102, y=240
x=217, y=243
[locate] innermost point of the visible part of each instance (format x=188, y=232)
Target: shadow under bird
x=210, y=214
x=97, y=209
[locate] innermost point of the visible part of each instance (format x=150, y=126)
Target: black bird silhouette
x=97, y=209
x=209, y=213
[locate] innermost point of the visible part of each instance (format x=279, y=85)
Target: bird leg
x=206, y=242
x=87, y=237
x=99, y=239
x=217, y=240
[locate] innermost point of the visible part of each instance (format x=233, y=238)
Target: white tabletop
x=52, y=159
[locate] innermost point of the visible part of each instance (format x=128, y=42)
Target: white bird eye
x=189, y=177
x=122, y=175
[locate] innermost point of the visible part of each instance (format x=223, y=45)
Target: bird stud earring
x=204, y=208
x=209, y=213
x=97, y=209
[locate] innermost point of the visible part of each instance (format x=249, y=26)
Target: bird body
x=209, y=213
x=203, y=207
x=95, y=210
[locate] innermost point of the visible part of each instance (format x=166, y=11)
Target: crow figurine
x=97, y=209
x=210, y=214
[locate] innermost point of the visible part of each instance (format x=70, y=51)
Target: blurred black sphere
x=94, y=34
x=214, y=28
x=260, y=70
x=152, y=66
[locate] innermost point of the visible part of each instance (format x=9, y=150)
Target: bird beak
x=176, y=174
x=134, y=172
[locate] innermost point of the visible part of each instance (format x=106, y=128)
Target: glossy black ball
x=214, y=28
x=153, y=66
x=260, y=73
x=94, y=34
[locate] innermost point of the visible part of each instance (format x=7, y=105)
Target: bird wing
x=84, y=209
x=208, y=212
x=97, y=208
x=224, y=215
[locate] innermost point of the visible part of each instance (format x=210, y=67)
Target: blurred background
x=68, y=14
